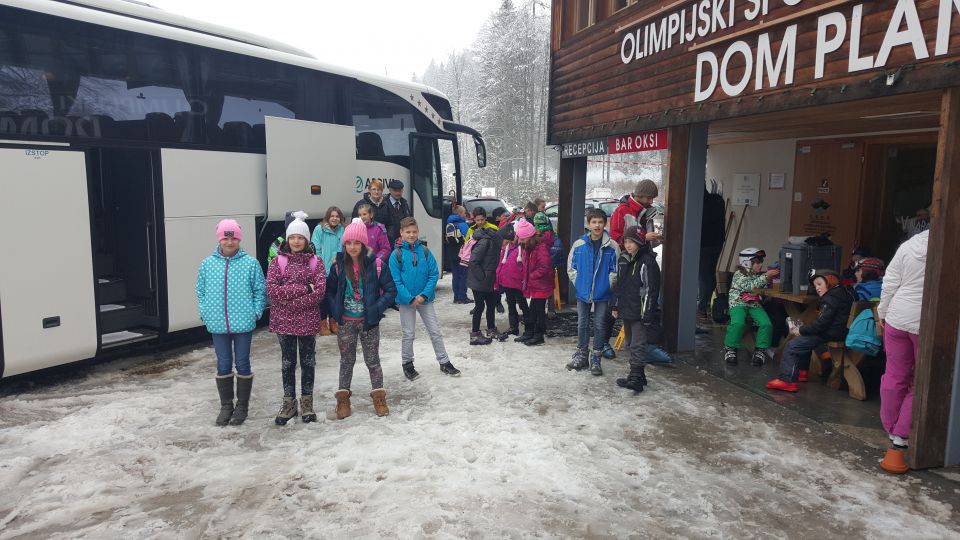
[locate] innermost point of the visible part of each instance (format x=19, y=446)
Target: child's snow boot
x=595, y=363
x=244, y=386
x=779, y=384
x=759, y=358
x=730, y=356
x=379, y=397
x=343, y=403
x=307, y=414
x=287, y=411
x=513, y=331
x=448, y=369
x=537, y=339
x=225, y=389
x=410, y=372
x=608, y=352
x=477, y=338
x=514, y=321
x=578, y=360
x=495, y=334
x=894, y=461
x=803, y=376
x=324, y=328
x=633, y=383
x=527, y=334
x=658, y=356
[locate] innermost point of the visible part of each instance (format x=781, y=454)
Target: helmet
x=830, y=276
x=871, y=263
x=749, y=254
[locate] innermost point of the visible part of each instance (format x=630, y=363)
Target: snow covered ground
x=516, y=447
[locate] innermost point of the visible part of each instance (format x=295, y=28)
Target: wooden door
x=827, y=188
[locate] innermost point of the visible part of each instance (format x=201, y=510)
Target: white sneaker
x=899, y=441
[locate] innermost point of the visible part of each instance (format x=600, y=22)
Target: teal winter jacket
x=231, y=292
x=415, y=272
x=327, y=243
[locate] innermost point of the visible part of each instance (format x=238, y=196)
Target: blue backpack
x=556, y=252
x=863, y=334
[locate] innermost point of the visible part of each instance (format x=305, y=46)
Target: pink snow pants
x=896, y=385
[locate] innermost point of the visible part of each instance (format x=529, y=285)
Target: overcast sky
x=387, y=37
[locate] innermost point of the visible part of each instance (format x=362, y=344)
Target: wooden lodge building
x=855, y=103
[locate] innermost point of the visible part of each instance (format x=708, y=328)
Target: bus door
x=434, y=165
x=47, y=305
x=310, y=166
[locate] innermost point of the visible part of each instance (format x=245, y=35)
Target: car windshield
x=487, y=204
x=609, y=207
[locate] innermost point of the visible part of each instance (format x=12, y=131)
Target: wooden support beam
x=940, y=312
x=573, y=186
x=678, y=144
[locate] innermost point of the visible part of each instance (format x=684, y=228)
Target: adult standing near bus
x=399, y=209
x=378, y=203
x=899, y=312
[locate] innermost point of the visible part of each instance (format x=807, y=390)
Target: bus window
x=378, y=112
x=427, y=174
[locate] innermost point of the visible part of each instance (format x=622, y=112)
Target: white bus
x=127, y=133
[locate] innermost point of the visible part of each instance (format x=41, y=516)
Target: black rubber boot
x=225, y=389
x=633, y=383
x=527, y=335
x=537, y=339
x=244, y=386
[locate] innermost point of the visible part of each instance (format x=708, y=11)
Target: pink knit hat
x=356, y=230
x=229, y=227
x=524, y=229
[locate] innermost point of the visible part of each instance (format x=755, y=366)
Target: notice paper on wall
x=746, y=189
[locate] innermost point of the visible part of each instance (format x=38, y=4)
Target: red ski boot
x=777, y=384
x=804, y=374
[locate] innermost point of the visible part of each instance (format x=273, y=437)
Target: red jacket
x=628, y=207
x=538, y=271
x=294, y=311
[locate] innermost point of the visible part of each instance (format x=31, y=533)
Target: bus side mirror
x=481, y=151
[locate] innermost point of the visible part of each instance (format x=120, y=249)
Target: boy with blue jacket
x=592, y=268
x=415, y=273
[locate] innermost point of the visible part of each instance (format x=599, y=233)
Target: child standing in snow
x=481, y=277
x=296, y=285
x=510, y=282
x=359, y=290
x=627, y=305
x=328, y=241
x=592, y=268
x=537, y=271
x=743, y=302
x=231, y=297
x=376, y=233
x=415, y=273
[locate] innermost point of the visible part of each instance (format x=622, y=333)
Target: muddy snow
x=516, y=447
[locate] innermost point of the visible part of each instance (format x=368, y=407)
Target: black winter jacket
x=382, y=213
x=393, y=227
x=484, y=258
x=630, y=288
x=379, y=291
x=831, y=323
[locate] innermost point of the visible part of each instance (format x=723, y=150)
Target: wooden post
x=573, y=186
x=941, y=299
x=678, y=144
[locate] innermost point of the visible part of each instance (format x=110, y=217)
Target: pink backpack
x=466, y=251
x=282, y=261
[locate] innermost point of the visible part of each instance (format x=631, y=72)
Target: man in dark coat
x=399, y=209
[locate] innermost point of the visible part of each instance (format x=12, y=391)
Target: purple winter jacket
x=510, y=268
x=294, y=311
x=378, y=241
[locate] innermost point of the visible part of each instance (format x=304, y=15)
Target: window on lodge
x=585, y=11
x=617, y=5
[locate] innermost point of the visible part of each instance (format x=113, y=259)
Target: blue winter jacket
x=415, y=273
x=868, y=290
x=379, y=291
x=460, y=222
x=593, y=278
x=327, y=243
x=231, y=292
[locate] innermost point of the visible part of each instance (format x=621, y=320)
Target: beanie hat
x=542, y=222
x=524, y=229
x=229, y=228
x=297, y=225
x=507, y=233
x=356, y=230
x=646, y=188
x=633, y=233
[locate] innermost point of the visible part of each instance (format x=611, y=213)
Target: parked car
x=607, y=205
x=487, y=203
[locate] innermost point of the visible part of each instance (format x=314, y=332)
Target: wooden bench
x=846, y=362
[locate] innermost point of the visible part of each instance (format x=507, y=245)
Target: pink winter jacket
x=538, y=272
x=510, y=268
x=378, y=241
x=294, y=311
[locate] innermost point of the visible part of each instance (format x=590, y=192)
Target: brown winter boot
x=287, y=411
x=380, y=402
x=306, y=410
x=324, y=329
x=333, y=327
x=343, y=403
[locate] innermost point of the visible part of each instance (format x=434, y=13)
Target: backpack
x=466, y=251
x=282, y=260
x=556, y=252
x=398, y=251
x=863, y=334
x=453, y=235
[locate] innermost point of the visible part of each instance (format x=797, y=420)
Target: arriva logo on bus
x=363, y=185
x=762, y=65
